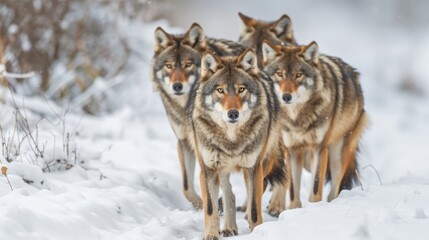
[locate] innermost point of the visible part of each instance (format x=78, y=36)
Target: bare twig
x=25, y=130
x=375, y=170
x=8, y=181
x=4, y=172
x=25, y=126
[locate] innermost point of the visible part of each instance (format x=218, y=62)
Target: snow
x=121, y=178
x=380, y=212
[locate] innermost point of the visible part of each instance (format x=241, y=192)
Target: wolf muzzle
x=233, y=115
x=287, y=98
x=177, y=88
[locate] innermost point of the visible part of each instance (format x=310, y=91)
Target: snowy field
x=121, y=177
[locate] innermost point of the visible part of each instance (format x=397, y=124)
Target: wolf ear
x=162, y=39
x=269, y=52
x=248, y=23
x=195, y=36
x=311, y=53
x=283, y=28
x=248, y=61
x=210, y=63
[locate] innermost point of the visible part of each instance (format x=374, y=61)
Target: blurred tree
x=69, y=44
x=32, y=32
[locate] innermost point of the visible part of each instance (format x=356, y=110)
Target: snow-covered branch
x=6, y=74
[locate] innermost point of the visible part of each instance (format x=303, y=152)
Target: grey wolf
x=175, y=69
x=322, y=114
x=255, y=32
x=234, y=115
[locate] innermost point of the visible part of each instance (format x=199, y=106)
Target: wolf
x=175, y=68
x=255, y=32
x=234, y=116
x=322, y=114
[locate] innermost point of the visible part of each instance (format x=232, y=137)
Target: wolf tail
x=350, y=177
x=278, y=174
x=351, y=174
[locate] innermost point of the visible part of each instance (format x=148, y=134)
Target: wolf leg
x=335, y=162
x=187, y=164
x=254, y=178
x=230, y=225
x=319, y=166
x=296, y=163
x=210, y=191
x=278, y=200
x=243, y=207
x=348, y=156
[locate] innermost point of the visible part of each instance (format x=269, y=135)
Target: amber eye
x=280, y=74
x=220, y=90
x=188, y=65
x=241, y=89
x=167, y=65
x=298, y=75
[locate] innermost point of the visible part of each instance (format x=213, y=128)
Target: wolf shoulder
x=340, y=72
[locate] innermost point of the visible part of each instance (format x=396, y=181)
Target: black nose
x=177, y=87
x=287, y=97
x=233, y=114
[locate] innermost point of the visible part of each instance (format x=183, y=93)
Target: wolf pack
x=264, y=106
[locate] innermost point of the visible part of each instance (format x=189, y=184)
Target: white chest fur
x=313, y=137
x=179, y=129
x=224, y=163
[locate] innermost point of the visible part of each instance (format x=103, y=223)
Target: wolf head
x=177, y=59
x=229, y=87
x=294, y=70
x=255, y=32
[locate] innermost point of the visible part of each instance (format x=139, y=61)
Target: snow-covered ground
x=125, y=181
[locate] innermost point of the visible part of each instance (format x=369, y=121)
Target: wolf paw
x=315, y=198
x=197, y=203
x=211, y=238
x=331, y=196
x=242, y=208
x=229, y=232
x=275, y=209
x=295, y=204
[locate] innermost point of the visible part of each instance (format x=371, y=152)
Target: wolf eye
x=167, y=65
x=298, y=75
x=241, y=89
x=220, y=90
x=188, y=64
x=280, y=74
